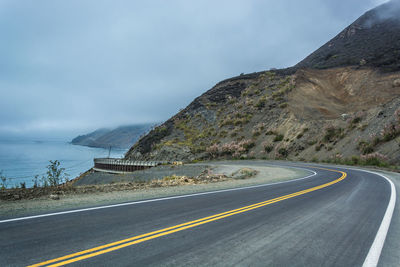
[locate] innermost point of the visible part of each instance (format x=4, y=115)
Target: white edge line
x=374, y=253
x=375, y=250
x=158, y=199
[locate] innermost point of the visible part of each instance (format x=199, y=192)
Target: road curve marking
x=89, y=253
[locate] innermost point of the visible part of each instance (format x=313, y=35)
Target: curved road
x=330, y=218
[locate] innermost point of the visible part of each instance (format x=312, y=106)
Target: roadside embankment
x=199, y=178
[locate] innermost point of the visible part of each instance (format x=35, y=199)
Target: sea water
x=21, y=160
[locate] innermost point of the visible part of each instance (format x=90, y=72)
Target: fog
x=68, y=67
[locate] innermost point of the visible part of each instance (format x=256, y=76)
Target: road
x=330, y=218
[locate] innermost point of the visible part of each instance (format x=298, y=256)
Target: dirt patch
x=96, y=182
x=330, y=93
x=156, y=173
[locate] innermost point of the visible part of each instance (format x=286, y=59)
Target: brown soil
x=326, y=94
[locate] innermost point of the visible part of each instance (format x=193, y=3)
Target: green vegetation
x=365, y=147
x=283, y=152
x=268, y=148
x=278, y=137
x=332, y=134
x=55, y=174
x=312, y=142
x=372, y=159
x=283, y=105
x=162, y=130
x=3, y=181
x=319, y=146
x=261, y=102
x=223, y=134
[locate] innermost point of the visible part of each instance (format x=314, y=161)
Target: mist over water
x=21, y=160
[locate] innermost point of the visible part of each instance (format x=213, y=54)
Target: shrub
x=355, y=160
x=55, y=174
x=331, y=133
x=233, y=148
x=261, y=103
x=283, y=152
x=3, y=181
x=319, y=146
x=278, y=137
x=312, y=142
x=365, y=147
x=283, y=105
x=356, y=120
x=375, y=159
x=162, y=130
x=223, y=134
x=337, y=158
x=276, y=95
x=248, y=144
x=390, y=132
x=267, y=148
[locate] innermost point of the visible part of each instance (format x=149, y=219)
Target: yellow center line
x=89, y=253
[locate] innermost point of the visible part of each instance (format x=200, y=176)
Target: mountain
x=120, y=137
x=342, y=102
x=372, y=40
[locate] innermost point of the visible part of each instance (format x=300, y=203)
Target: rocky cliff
x=120, y=137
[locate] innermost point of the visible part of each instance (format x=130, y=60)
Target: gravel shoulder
x=391, y=251
x=265, y=175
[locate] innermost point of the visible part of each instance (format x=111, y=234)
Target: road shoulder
x=390, y=255
x=266, y=175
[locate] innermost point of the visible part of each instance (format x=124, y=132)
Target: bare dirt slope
x=327, y=94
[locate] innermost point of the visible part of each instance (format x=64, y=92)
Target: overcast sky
x=67, y=67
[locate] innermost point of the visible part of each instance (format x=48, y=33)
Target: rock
x=54, y=197
x=16, y=197
x=396, y=83
x=345, y=116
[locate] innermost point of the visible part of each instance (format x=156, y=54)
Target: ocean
x=21, y=160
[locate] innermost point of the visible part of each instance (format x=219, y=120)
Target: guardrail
x=121, y=165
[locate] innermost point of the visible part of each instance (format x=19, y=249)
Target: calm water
x=20, y=161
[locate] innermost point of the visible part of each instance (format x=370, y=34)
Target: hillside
x=120, y=137
x=372, y=40
x=342, y=101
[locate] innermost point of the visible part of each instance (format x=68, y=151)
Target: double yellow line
x=89, y=253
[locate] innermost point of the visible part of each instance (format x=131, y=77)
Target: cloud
x=88, y=64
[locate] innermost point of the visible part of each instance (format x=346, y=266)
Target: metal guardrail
x=121, y=165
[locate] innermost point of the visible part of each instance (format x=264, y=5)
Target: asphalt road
x=328, y=219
